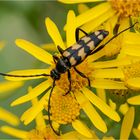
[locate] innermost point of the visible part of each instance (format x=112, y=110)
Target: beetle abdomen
x=80, y=50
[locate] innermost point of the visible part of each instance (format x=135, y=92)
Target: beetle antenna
x=120, y=33
x=36, y=75
x=49, y=107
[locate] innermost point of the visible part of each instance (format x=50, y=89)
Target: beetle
x=73, y=56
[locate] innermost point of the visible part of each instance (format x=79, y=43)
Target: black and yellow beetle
x=73, y=56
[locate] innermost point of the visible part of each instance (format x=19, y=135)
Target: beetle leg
x=60, y=49
x=77, y=33
x=82, y=75
x=49, y=107
x=69, y=78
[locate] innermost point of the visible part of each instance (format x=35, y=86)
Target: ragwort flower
x=84, y=96
x=41, y=131
x=126, y=67
x=115, y=17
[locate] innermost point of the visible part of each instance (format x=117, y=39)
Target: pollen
x=77, y=81
x=45, y=134
x=126, y=8
x=64, y=109
x=131, y=71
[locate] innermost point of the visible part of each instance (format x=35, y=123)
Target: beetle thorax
x=61, y=66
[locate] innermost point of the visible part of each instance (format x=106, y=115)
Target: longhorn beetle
x=73, y=56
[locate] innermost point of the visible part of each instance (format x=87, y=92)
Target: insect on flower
x=73, y=56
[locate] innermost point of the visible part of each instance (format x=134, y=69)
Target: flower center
x=132, y=71
x=119, y=95
x=126, y=8
x=64, y=109
x=46, y=134
x=77, y=81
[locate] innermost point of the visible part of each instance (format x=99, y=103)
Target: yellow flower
x=42, y=130
x=115, y=15
x=84, y=96
x=111, y=14
x=127, y=123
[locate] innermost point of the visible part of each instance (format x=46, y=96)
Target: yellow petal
x=55, y=125
x=14, y=132
x=139, y=126
x=93, y=24
x=100, y=104
x=108, y=73
x=27, y=72
x=49, y=47
x=124, y=23
x=124, y=108
x=82, y=8
x=33, y=93
x=108, y=138
x=112, y=63
x=131, y=38
x=32, y=112
x=112, y=104
x=134, y=83
x=7, y=86
x=40, y=122
x=71, y=28
x=131, y=49
x=74, y=135
x=91, y=112
x=107, y=84
x=134, y=100
x=54, y=33
x=111, y=23
x=8, y=117
x=136, y=132
x=92, y=13
x=101, y=93
x=81, y=128
x=96, y=56
x=34, y=50
x=127, y=123
x=78, y=1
